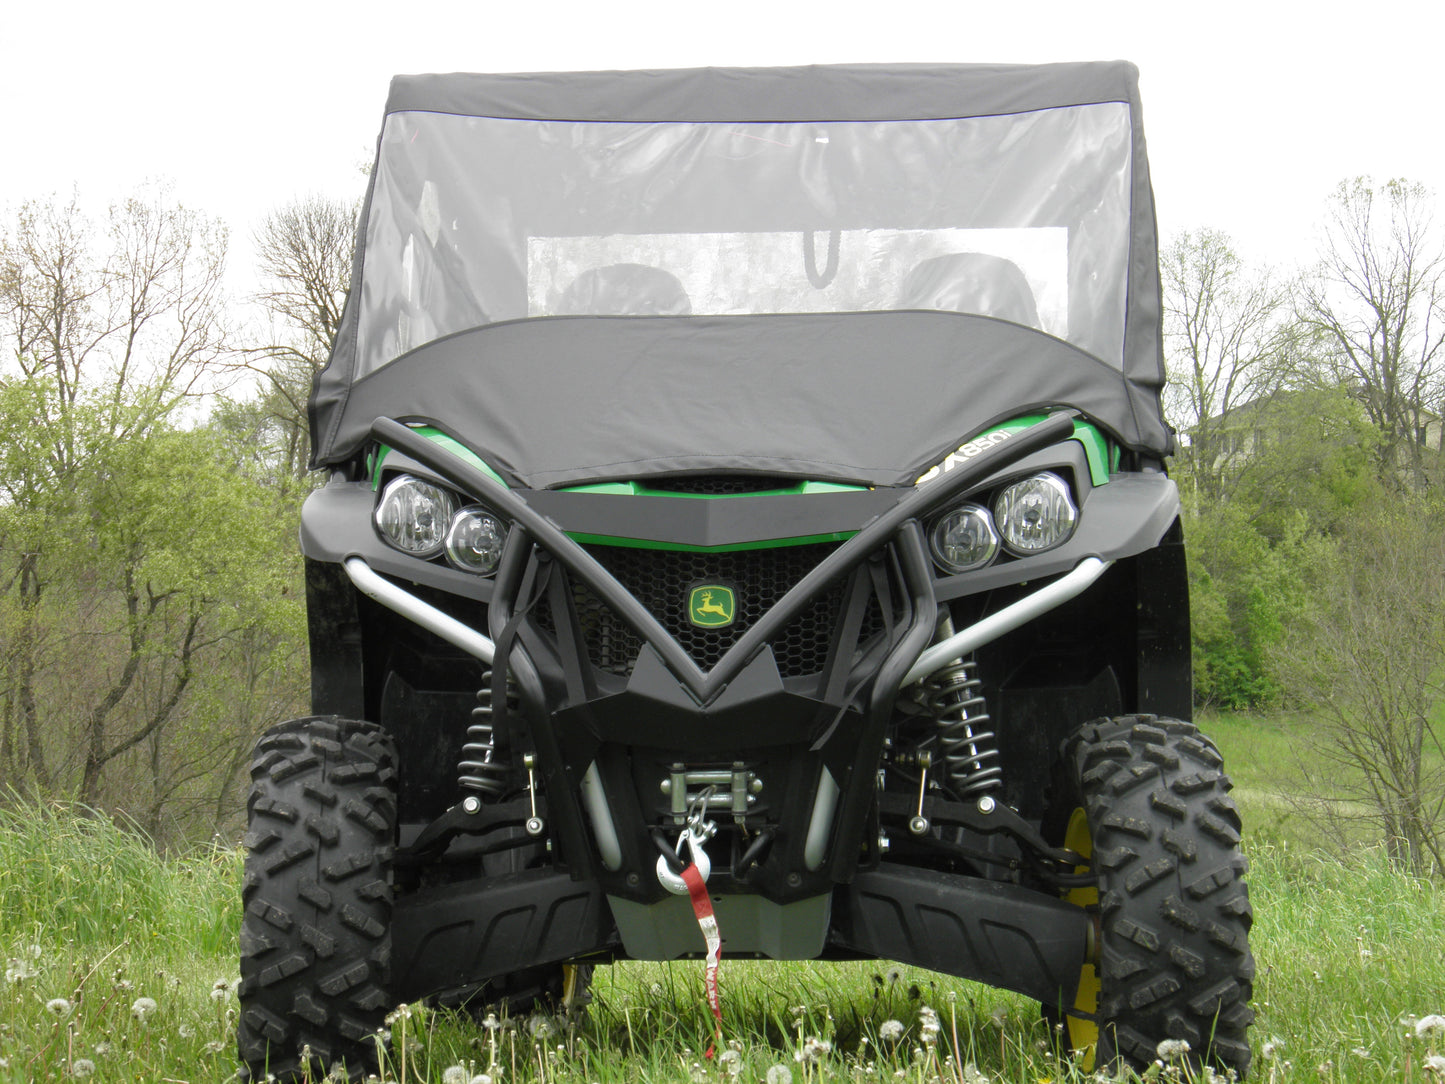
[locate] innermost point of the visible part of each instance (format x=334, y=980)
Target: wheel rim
x=1081, y=1020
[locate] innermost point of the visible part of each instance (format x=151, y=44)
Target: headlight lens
x=474, y=543
x=1036, y=514
x=414, y=515
x=964, y=539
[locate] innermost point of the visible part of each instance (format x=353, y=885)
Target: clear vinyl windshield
x=1023, y=217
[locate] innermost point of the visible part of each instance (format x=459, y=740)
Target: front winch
x=698, y=831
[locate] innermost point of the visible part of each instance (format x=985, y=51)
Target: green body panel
x=766, y=544
x=441, y=439
x=1103, y=458
x=641, y=489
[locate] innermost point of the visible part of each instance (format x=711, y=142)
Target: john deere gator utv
x=750, y=479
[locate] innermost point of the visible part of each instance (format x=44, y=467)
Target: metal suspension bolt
x=535, y=826
x=918, y=825
x=472, y=805
x=883, y=843
x=986, y=805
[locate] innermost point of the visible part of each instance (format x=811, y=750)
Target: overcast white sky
x=1253, y=111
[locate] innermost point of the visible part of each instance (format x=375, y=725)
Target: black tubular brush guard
x=914, y=505
x=892, y=911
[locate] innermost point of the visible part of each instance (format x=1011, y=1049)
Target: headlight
x=414, y=515
x=474, y=542
x=1036, y=514
x=964, y=539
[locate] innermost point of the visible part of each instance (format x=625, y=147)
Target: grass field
x=120, y=965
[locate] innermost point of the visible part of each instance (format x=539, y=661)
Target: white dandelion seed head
x=539, y=1027
x=454, y=1074
x=82, y=1068
x=1430, y=1026
x=971, y=1075
x=1272, y=1048
x=890, y=1031
x=102, y=1049
x=185, y=1031
x=1434, y=1065
x=655, y=989
x=58, y=1006
x=491, y=1023
x=1171, y=1050
x=480, y=1078
x=731, y=1062
x=142, y=1007
x=778, y=1074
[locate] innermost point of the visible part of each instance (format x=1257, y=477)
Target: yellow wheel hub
x=1082, y=1021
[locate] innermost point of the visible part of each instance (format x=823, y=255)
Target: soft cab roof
x=438, y=383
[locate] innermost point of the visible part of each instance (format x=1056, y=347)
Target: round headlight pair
x=423, y=520
x=1028, y=517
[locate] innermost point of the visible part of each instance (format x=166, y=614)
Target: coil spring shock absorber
x=970, y=750
x=968, y=746
x=479, y=768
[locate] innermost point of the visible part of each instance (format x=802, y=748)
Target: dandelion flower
x=779, y=1074
x=890, y=1031
x=142, y=1007
x=82, y=1068
x=1171, y=1050
x=1431, y=1026
x=893, y=976
x=1272, y=1049
x=480, y=1078
x=1434, y=1065
x=58, y=1006
x=655, y=989
x=454, y=1074
x=731, y=1062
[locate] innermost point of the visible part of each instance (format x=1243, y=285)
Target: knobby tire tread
x=1175, y=911
x=317, y=899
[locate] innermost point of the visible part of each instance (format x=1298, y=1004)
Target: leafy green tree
x=141, y=567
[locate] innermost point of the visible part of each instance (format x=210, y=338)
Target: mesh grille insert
x=662, y=581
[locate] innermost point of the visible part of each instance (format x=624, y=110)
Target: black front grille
x=719, y=485
x=662, y=581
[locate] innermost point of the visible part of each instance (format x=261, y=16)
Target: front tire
x=316, y=930
x=1149, y=800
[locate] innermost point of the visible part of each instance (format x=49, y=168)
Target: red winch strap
x=707, y=922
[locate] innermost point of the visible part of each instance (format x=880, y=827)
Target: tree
x=1376, y=306
x=110, y=327
x=1226, y=346
x=305, y=251
x=1370, y=661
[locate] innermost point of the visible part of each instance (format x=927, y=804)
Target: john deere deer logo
x=711, y=606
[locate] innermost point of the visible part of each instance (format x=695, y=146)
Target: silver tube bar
x=1006, y=620
x=414, y=609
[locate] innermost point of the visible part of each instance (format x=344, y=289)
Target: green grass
x=89, y=913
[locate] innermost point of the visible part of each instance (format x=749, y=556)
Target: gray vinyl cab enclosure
x=845, y=272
